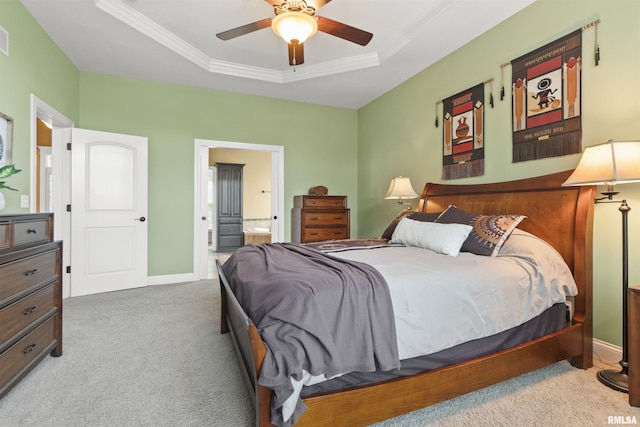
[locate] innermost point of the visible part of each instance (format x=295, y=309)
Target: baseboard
x=170, y=278
x=606, y=353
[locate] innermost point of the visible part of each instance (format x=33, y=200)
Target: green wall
x=397, y=133
x=351, y=152
x=320, y=147
x=35, y=65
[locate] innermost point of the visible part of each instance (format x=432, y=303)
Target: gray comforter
x=314, y=312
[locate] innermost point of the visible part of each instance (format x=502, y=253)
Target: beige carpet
x=154, y=357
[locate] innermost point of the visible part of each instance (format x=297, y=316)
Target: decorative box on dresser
x=318, y=218
x=30, y=295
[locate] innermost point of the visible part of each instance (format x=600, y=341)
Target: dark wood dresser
x=30, y=295
x=318, y=218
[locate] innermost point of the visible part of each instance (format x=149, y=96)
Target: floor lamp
x=611, y=163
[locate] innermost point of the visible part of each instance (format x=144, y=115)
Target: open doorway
x=249, y=199
x=52, y=190
x=44, y=118
x=46, y=192
x=259, y=191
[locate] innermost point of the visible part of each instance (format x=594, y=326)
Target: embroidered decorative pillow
x=442, y=238
x=489, y=231
x=417, y=216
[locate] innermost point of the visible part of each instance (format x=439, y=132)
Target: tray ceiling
x=174, y=41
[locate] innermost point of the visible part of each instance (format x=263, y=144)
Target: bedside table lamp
x=614, y=162
x=400, y=188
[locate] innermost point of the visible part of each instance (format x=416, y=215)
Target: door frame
x=61, y=178
x=201, y=167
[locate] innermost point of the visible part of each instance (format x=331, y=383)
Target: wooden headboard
x=562, y=216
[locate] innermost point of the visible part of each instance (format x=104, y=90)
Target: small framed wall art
x=6, y=136
x=546, y=100
x=463, y=134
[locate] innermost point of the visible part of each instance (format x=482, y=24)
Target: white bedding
x=440, y=301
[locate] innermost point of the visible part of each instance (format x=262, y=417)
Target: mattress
x=440, y=301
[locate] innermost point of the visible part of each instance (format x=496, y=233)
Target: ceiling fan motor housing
x=294, y=27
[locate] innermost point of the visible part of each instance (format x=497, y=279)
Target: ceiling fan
x=295, y=22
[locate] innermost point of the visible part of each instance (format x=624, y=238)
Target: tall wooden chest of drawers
x=30, y=295
x=318, y=218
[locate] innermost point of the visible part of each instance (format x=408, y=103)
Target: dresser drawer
x=231, y=241
x=229, y=229
x=5, y=240
x=324, y=202
x=25, y=232
x=325, y=218
x=21, y=275
x=17, y=316
x=23, y=352
x=311, y=234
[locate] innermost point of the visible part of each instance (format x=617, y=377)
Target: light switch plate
x=24, y=200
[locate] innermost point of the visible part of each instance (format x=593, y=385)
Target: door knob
x=141, y=219
x=204, y=218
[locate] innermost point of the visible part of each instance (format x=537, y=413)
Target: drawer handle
x=29, y=349
x=30, y=272
x=32, y=230
x=313, y=234
x=314, y=218
x=29, y=311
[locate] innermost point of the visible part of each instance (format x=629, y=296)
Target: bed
x=561, y=216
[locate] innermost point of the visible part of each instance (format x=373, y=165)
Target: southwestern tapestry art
x=463, y=134
x=546, y=100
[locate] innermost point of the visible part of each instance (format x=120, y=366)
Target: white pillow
x=445, y=239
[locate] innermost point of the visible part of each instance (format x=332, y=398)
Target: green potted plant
x=5, y=172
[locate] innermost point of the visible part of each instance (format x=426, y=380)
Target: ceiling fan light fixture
x=294, y=27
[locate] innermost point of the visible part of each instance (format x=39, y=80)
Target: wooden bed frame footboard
x=563, y=216
x=246, y=341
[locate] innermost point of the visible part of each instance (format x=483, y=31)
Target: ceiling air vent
x=4, y=41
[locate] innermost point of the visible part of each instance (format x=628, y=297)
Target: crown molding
x=138, y=21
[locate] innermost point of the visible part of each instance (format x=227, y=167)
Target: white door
x=108, y=212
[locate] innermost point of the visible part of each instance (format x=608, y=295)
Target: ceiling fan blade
x=245, y=29
x=296, y=54
x=344, y=31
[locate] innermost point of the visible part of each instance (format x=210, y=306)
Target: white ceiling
x=174, y=41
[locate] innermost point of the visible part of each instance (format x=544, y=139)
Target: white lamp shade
x=400, y=188
x=296, y=26
x=614, y=162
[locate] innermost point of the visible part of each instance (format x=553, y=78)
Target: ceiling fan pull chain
x=294, y=56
